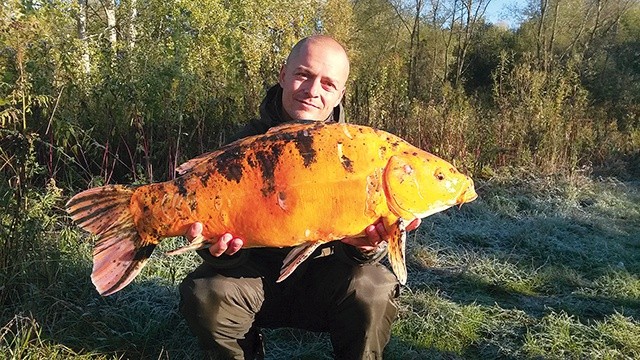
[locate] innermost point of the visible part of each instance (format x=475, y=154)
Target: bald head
x=314, y=77
x=325, y=43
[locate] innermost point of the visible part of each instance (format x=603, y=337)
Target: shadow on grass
x=468, y=289
x=140, y=322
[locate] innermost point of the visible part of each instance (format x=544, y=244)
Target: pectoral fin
x=295, y=257
x=397, y=239
x=198, y=242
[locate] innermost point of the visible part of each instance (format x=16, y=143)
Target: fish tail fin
x=121, y=251
x=396, y=252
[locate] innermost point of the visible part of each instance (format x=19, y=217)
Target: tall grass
x=537, y=267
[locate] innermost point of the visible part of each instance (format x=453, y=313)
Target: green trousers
x=355, y=304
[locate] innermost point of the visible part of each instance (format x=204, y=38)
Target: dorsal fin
x=190, y=164
x=293, y=124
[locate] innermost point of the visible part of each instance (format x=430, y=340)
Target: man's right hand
x=227, y=244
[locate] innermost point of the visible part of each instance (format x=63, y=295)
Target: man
x=340, y=289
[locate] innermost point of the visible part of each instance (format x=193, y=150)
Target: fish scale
x=300, y=184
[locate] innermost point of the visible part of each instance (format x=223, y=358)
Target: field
x=537, y=267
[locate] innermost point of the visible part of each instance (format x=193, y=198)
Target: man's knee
x=362, y=327
x=375, y=283
x=212, y=295
x=374, y=290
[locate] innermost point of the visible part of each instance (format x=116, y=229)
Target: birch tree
x=133, y=15
x=82, y=35
x=110, y=12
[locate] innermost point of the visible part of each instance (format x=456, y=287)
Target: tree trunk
x=133, y=32
x=82, y=35
x=541, y=42
x=110, y=10
x=413, y=53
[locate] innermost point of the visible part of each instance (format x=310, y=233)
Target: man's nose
x=314, y=87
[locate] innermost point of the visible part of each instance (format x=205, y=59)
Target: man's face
x=313, y=81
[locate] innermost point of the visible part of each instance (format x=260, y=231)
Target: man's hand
x=227, y=244
x=375, y=234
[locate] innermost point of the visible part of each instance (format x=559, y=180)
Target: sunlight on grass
x=430, y=321
x=618, y=284
x=559, y=335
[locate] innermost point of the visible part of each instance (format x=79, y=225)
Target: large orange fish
x=300, y=184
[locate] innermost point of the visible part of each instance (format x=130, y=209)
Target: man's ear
x=340, y=98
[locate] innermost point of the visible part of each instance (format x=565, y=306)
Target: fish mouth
x=467, y=195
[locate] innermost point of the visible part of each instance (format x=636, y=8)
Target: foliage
x=131, y=111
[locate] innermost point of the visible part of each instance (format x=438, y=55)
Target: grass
x=537, y=267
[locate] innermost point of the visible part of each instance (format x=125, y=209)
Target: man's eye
x=330, y=87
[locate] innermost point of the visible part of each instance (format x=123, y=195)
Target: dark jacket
x=272, y=114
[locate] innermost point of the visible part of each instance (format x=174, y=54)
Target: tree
x=82, y=35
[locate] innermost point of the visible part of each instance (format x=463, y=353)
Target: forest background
x=129, y=91
x=96, y=92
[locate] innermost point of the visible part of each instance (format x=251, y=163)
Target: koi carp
x=298, y=185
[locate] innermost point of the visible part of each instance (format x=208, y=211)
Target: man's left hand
x=375, y=234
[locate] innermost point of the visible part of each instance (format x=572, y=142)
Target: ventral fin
x=397, y=244
x=296, y=257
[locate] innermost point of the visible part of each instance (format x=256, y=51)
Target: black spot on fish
x=182, y=190
x=415, y=153
x=251, y=161
x=279, y=137
x=346, y=163
x=268, y=160
x=229, y=163
x=155, y=233
x=193, y=204
x=304, y=144
x=204, y=178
